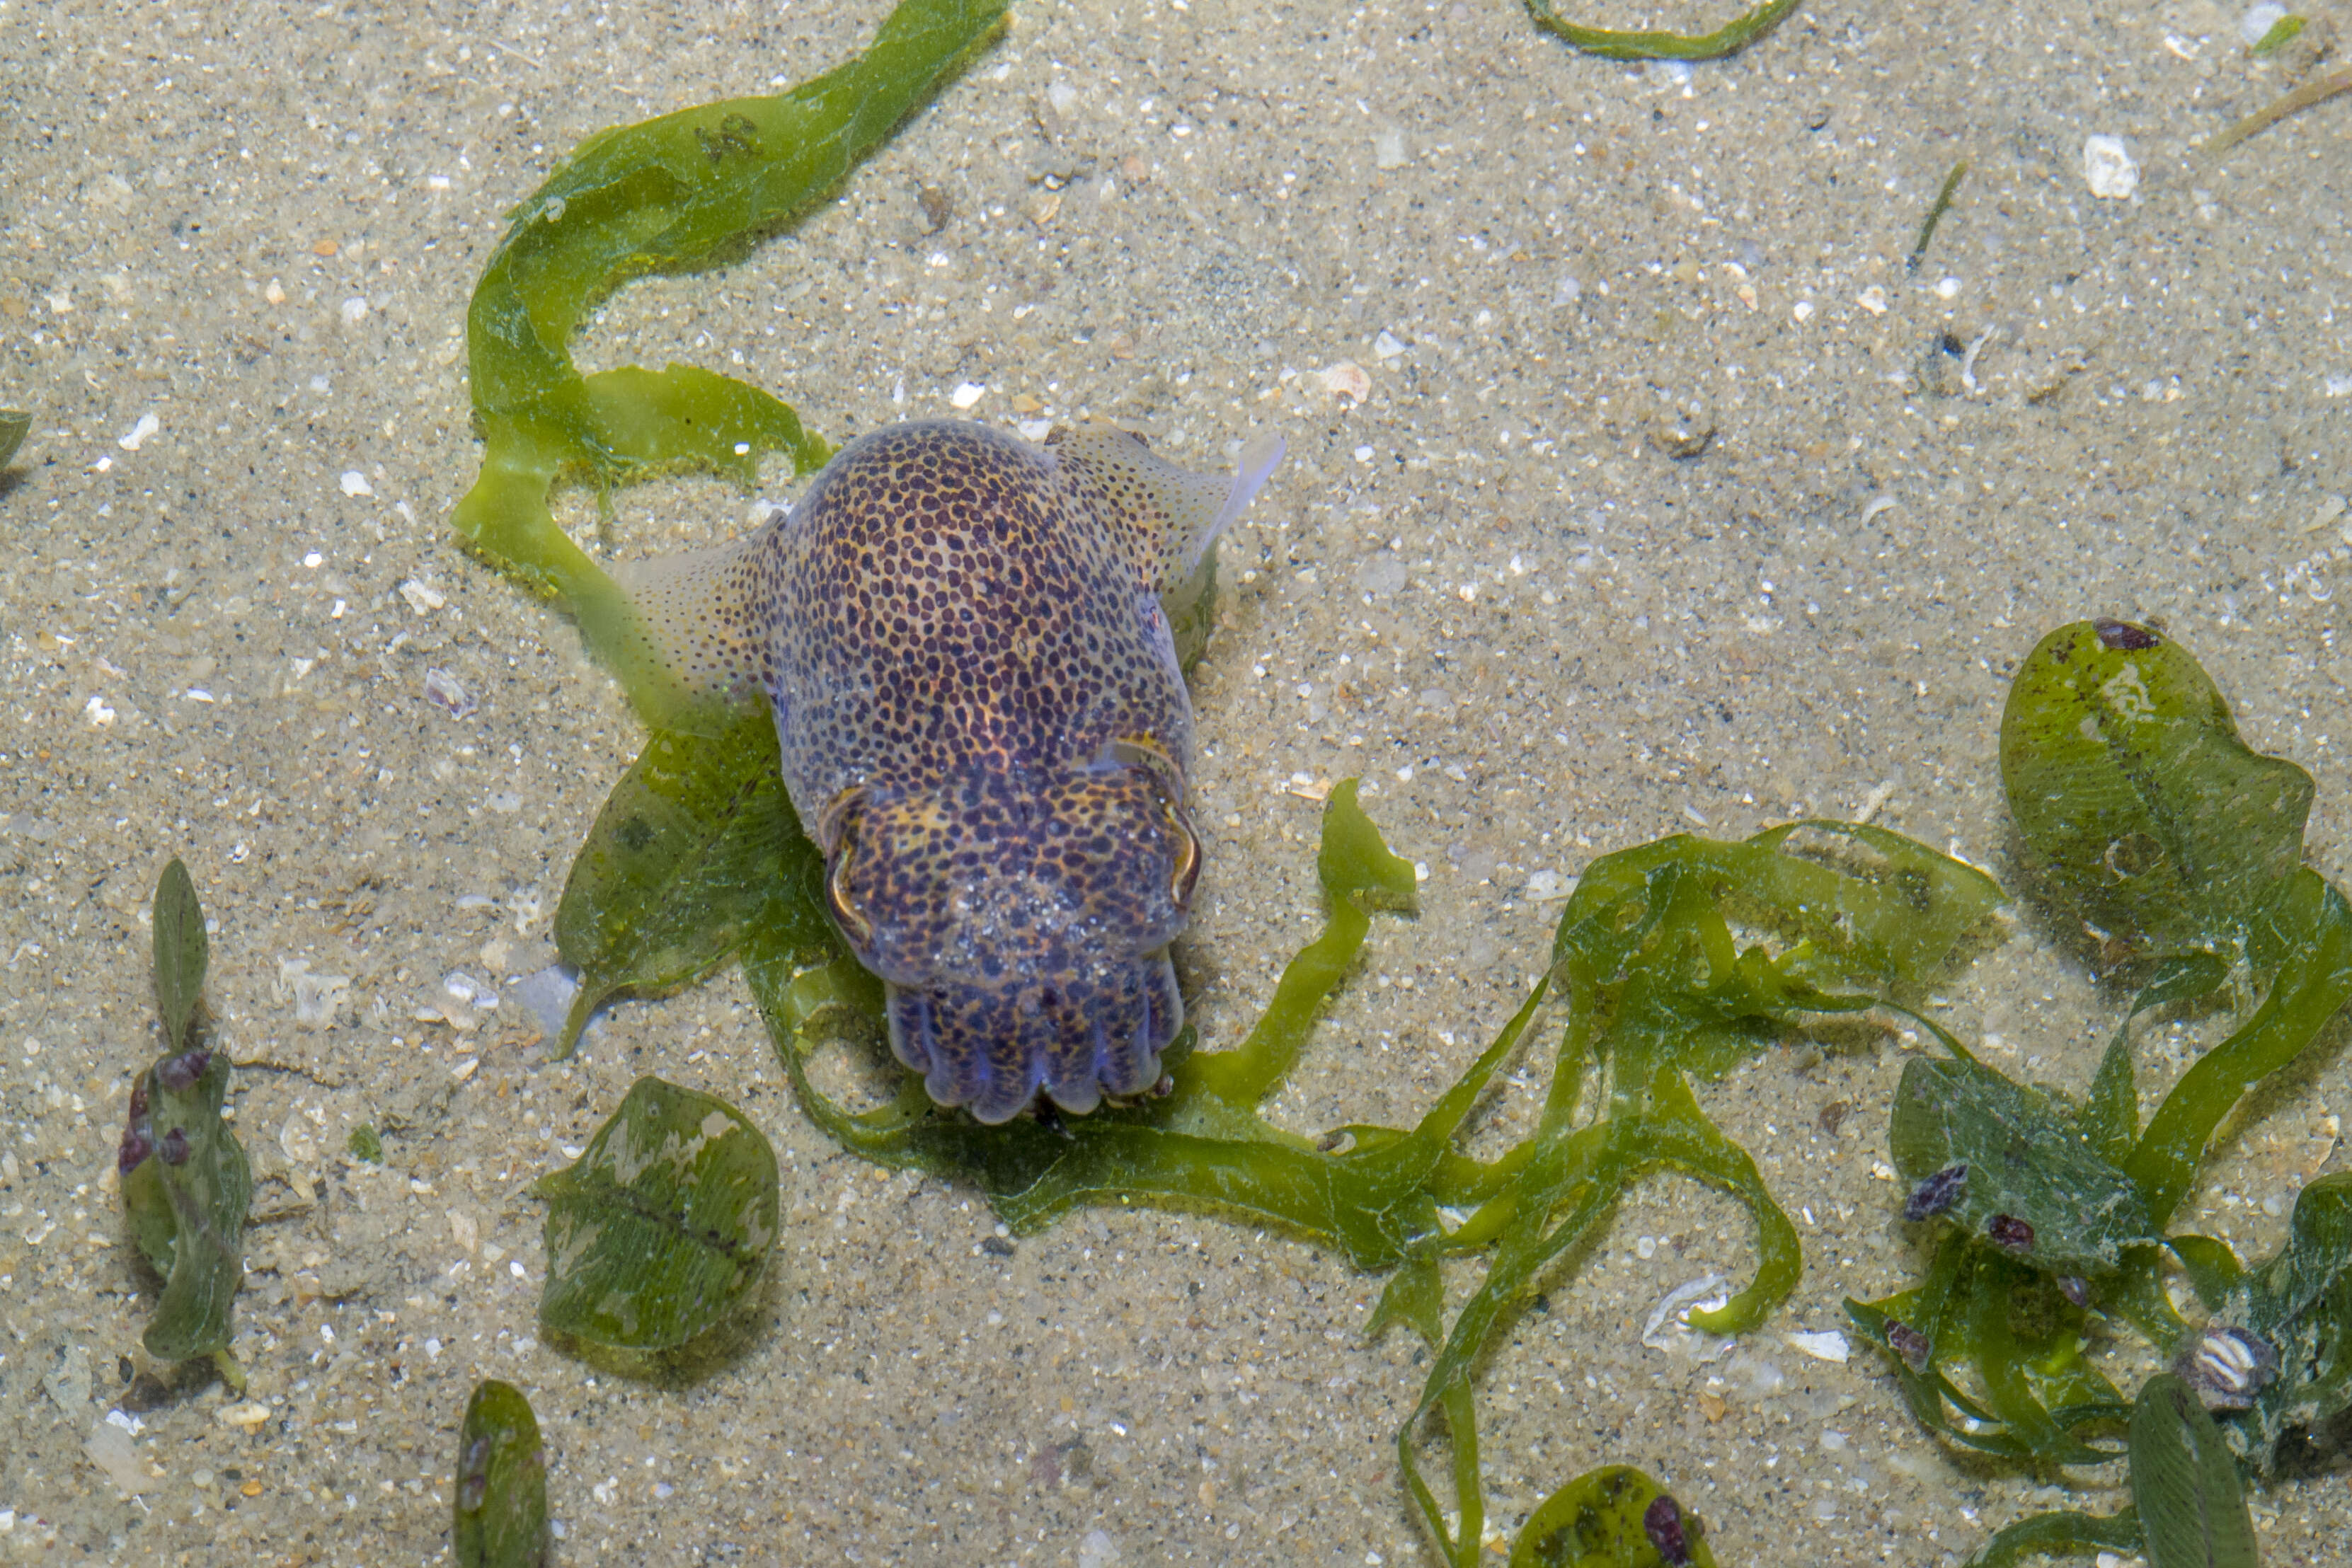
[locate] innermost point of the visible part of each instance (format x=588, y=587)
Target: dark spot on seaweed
x=1662, y=1521
x=736, y=137
x=2122, y=637
x=1909, y=1343
x=179, y=1073
x=2009, y=1234
x=1936, y=1194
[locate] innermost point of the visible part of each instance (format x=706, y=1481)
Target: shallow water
x=1487, y=588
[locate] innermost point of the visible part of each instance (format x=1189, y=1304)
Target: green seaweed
x=2278, y=36
x=2299, y=1303
x=1201, y=1144
x=366, y=1144
x=1656, y=987
x=2318, y=90
x=2146, y=818
x=696, y=847
x=2035, y=1393
x=186, y=1186
x=182, y=952
x=2147, y=815
x=2141, y=810
x=2188, y=1507
x=499, y=1516
x=1647, y=957
x=2027, y=1164
x=2301, y=952
x=1942, y=205
x=1614, y=44
x=186, y=1196
x=662, y=1226
x=1614, y=1517
x=2184, y=1482
x=15, y=423
x=2049, y=1534
x=2185, y=1464
x=668, y=194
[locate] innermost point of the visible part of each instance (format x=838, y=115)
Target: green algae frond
x=662, y=1228
x=186, y=1185
x=1648, y=44
x=2148, y=823
x=499, y=1518
x=664, y=196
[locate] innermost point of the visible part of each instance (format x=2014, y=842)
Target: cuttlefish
x=965, y=639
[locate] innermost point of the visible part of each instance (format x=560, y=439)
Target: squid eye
x=854, y=926
x=1188, y=855
x=1147, y=757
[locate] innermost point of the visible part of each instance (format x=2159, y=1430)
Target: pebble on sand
x=2109, y=169
x=448, y=693
x=111, y=1449
x=1347, y=379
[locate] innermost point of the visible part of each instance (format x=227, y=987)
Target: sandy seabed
x=235, y=250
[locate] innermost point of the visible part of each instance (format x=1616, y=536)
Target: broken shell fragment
x=1347, y=380
x=2227, y=1366
x=2108, y=168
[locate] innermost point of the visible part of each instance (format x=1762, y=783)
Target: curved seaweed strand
x=1656, y=987
x=667, y=194
x=1615, y=44
x=2317, y=90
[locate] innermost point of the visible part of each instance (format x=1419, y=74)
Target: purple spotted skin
x=984, y=729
